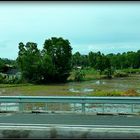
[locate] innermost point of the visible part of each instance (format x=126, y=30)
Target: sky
x=109, y=27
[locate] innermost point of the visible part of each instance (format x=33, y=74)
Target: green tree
x=79, y=75
x=103, y=63
x=60, y=52
x=108, y=67
x=76, y=59
x=29, y=61
x=80, y=60
x=1, y=65
x=99, y=63
x=47, y=69
x=92, y=59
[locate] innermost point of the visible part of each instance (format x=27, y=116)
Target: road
x=70, y=119
x=58, y=125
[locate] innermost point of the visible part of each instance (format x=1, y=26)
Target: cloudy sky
x=109, y=27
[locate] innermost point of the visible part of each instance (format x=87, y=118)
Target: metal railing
x=22, y=100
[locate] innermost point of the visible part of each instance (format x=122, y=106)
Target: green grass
x=130, y=70
x=90, y=74
x=107, y=93
x=36, y=90
x=13, y=85
x=57, y=90
x=63, y=89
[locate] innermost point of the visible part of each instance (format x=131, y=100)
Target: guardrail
x=22, y=100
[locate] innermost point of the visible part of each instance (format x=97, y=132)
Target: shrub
x=108, y=93
x=120, y=74
x=1, y=78
x=108, y=73
x=130, y=92
x=132, y=71
x=79, y=75
x=13, y=80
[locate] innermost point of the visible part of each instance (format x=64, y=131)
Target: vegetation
x=128, y=62
x=56, y=90
x=52, y=64
x=120, y=74
x=60, y=53
x=55, y=63
x=79, y=75
x=129, y=92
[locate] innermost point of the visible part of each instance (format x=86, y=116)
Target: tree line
x=100, y=61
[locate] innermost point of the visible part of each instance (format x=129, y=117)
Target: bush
x=1, y=78
x=79, y=75
x=130, y=92
x=13, y=80
x=120, y=74
x=108, y=72
x=107, y=93
x=130, y=70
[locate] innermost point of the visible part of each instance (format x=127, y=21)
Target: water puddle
x=74, y=90
x=87, y=90
x=98, y=82
x=81, y=90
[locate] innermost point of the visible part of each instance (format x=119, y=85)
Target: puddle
x=87, y=90
x=74, y=90
x=100, y=82
x=115, y=84
x=81, y=90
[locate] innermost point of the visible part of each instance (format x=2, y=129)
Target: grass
x=58, y=90
x=63, y=89
x=90, y=74
x=36, y=90
x=130, y=70
x=129, y=92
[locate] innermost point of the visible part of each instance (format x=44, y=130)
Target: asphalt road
x=69, y=119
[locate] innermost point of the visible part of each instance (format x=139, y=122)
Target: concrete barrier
x=67, y=132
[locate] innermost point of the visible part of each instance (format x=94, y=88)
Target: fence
x=24, y=101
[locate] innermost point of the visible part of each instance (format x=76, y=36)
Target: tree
x=59, y=50
x=76, y=59
x=92, y=59
x=80, y=60
x=47, y=69
x=99, y=63
x=29, y=61
x=1, y=65
x=103, y=63
x=108, y=67
x=52, y=64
